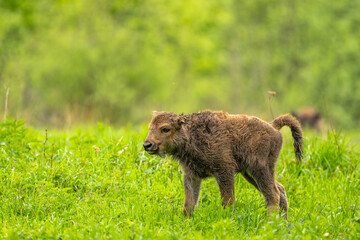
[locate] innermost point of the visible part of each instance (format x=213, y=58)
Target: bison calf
x=219, y=144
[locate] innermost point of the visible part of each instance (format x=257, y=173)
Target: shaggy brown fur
x=219, y=144
x=309, y=117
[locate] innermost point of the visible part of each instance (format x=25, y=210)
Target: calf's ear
x=180, y=121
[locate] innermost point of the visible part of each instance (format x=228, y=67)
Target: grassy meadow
x=97, y=183
x=66, y=65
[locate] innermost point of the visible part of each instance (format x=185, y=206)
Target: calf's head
x=164, y=129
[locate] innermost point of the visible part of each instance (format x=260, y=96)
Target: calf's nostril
x=147, y=145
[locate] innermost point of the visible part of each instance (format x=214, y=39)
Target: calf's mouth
x=152, y=152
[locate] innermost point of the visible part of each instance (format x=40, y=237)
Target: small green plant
x=333, y=153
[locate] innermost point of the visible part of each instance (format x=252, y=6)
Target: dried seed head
x=271, y=93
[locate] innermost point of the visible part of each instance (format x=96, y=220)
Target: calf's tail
x=296, y=132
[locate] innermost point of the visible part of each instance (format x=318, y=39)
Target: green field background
x=86, y=75
x=98, y=183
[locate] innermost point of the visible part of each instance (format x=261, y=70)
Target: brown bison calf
x=219, y=144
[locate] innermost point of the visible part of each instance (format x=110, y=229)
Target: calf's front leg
x=192, y=189
x=225, y=180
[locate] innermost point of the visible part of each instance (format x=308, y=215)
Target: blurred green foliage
x=68, y=61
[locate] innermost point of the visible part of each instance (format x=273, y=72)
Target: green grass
x=97, y=183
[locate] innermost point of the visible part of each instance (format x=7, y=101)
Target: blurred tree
x=68, y=61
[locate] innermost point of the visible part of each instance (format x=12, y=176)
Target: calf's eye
x=165, y=130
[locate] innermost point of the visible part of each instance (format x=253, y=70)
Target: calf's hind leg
x=267, y=186
x=283, y=199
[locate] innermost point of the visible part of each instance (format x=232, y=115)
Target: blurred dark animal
x=219, y=144
x=309, y=117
